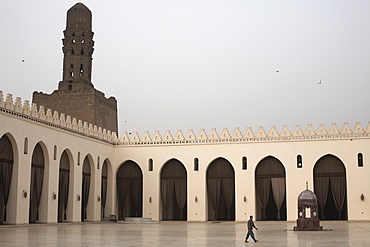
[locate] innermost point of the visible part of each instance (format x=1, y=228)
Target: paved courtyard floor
x=183, y=234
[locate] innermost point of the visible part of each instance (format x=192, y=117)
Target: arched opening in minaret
x=82, y=52
x=81, y=69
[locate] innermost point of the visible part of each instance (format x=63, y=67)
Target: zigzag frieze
x=67, y=123
x=54, y=119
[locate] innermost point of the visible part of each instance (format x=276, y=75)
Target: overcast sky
x=203, y=64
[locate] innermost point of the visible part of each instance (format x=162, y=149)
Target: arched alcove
x=36, y=185
x=270, y=189
x=6, y=172
x=330, y=188
x=174, y=191
x=129, y=190
x=63, y=189
x=104, y=187
x=221, y=190
x=86, y=180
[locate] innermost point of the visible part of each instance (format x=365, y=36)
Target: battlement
x=248, y=136
x=54, y=119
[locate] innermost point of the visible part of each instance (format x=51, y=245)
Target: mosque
x=60, y=163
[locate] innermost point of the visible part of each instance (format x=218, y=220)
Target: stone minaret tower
x=76, y=95
x=77, y=49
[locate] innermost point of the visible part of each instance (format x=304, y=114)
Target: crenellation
x=49, y=116
x=42, y=115
x=285, y=132
x=167, y=136
x=26, y=108
x=135, y=137
x=273, y=132
x=18, y=105
x=179, y=136
x=146, y=137
x=9, y=102
x=261, y=133
x=334, y=129
x=213, y=135
x=56, y=119
x=225, y=135
x=80, y=126
x=69, y=122
x=34, y=112
x=237, y=134
x=358, y=130
x=2, y=103
x=157, y=136
x=191, y=135
x=202, y=135
x=321, y=131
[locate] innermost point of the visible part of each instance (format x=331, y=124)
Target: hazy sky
x=203, y=64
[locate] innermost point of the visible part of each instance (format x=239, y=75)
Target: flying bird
x=23, y=60
x=319, y=82
x=277, y=71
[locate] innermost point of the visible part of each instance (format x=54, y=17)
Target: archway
x=270, y=190
x=221, y=190
x=6, y=171
x=129, y=190
x=64, y=175
x=37, y=178
x=174, y=191
x=86, y=178
x=330, y=188
x=104, y=187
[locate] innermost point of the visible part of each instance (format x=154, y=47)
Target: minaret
x=76, y=95
x=77, y=49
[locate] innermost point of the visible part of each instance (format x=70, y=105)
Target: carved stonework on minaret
x=76, y=95
x=78, y=47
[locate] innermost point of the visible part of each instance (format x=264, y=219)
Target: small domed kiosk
x=307, y=212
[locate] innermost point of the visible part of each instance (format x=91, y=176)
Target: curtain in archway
x=6, y=171
x=37, y=177
x=214, y=193
x=270, y=189
x=330, y=187
x=221, y=190
x=173, y=190
x=263, y=192
x=229, y=194
x=322, y=189
x=63, y=187
x=129, y=190
x=338, y=187
x=85, y=188
x=180, y=188
x=278, y=190
x=104, y=187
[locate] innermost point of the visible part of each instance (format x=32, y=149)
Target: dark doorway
x=63, y=189
x=86, y=177
x=104, y=186
x=174, y=191
x=6, y=171
x=129, y=190
x=330, y=188
x=37, y=178
x=221, y=190
x=270, y=190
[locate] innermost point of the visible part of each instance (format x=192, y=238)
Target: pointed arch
x=270, y=187
x=174, y=190
x=36, y=185
x=86, y=186
x=63, y=189
x=105, y=178
x=221, y=190
x=6, y=173
x=330, y=188
x=129, y=190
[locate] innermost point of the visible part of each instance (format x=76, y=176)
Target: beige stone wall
x=19, y=121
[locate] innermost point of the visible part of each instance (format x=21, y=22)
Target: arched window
x=360, y=161
x=25, y=148
x=78, y=158
x=299, y=161
x=244, y=163
x=150, y=165
x=55, y=152
x=196, y=164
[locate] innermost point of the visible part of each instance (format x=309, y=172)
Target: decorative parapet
x=53, y=119
x=237, y=136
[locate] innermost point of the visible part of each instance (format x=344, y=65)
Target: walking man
x=251, y=225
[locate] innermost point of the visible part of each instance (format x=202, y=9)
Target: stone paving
x=183, y=234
